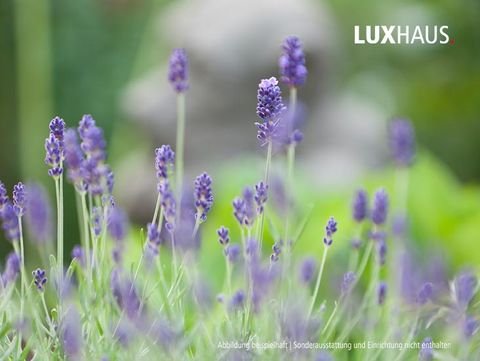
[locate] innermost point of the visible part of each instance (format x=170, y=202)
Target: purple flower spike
x=380, y=207
x=19, y=199
x=203, y=196
x=39, y=278
x=78, y=254
x=164, y=159
x=57, y=128
x=237, y=301
x=38, y=215
x=426, y=352
x=239, y=210
x=12, y=269
x=153, y=236
x=269, y=108
x=54, y=147
x=465, y=286
x=276, y=251
x=425, y=294
x=402, y=142
x=233, y=253
x=223, y=235
x=348, y=280
x=97, y=220
x=10, y=222
x=292, y=62
x=381, y=293
x=360, y=205
x=330, y=229
x=168, y=204
x=74, y=159
x=381, y=251
x=307, y=270
x=178, y=70
x=296, y=137
x=3, y=196
x=71, y=333
x=470, y=327
x=261, y=196
x=117, y=224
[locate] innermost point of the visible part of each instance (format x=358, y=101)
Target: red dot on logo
x=452, y=41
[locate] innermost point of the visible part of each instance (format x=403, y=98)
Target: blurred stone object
x=231, y=46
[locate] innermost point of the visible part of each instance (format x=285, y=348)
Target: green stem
x=180, y=148
x=157, y=207
x=86, y=235
x=319, y=279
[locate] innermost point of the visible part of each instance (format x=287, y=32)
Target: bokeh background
x=109, y=57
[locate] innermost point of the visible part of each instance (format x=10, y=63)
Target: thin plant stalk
x=179, y=161
x=86, y=234
x=319, y=279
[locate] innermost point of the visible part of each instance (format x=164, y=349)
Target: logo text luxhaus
x=401, y=34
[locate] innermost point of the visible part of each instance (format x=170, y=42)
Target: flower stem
x=86, y=234
x=179, y=148
x=319, y=279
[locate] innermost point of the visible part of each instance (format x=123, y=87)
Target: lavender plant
x=115, y=302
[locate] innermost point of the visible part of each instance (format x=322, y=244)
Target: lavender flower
x=425, y=294
x=3, y=196
x=380, y=207
x=93, y=143
x=269, y=108
x=360, y=205
x=178, y=70
x=232, y=251
x=54, y=147
x=237, y=300
x=153, y=236
x=38, y=214
x=470, y=327
x=381, y=292
x=324, y=356
x=71, y=333
x=169, y=205
x=97, y=220
x=239, y=210
x=203, y=196
x=97, y=175
x=465, y=287
x=117, y=224
x=348, y=279
x=296, y=137
x=19, y=199
x=57, y=128
x=426, y=352
x=12, y=269
x=402, y=141
x=164, y=159
x=10, y=223
x=74, y=159
x=39, y=278
x=307, y=269
x=261, y=190
x=292, y=62
x=125, y=294
x=381, y=251
x=276, y=250
x=223, y=235
x=78, y=254
x=330, y=229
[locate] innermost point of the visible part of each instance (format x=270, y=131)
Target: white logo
x=398, y=34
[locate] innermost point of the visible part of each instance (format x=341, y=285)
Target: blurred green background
x=75, y=57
